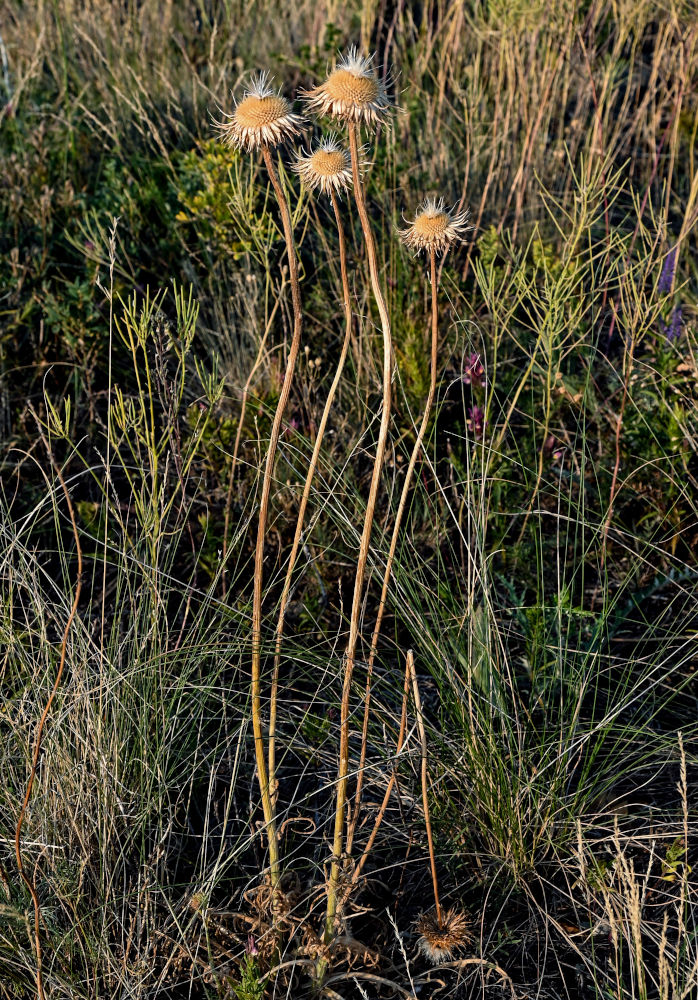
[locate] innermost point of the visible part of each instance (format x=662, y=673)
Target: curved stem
x=425, y=798
x=306, y=494
x=255, y=687
x=29, y=882
x=391, y=784
x=393, y=544
x=238, y=433
x=332, y=889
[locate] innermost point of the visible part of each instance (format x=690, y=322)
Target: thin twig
x=463, y=963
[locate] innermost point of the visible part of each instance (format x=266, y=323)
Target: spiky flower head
x=439, y=941
x=352, y=92
x=262, y=118
x=327, y=166
x=435, y=227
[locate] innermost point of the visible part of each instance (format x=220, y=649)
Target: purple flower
x=476, y=421
x=672, y=332
x=474, y=372
x=666, y=278
x=291, y=427
x=251, y=946
x=554, y=448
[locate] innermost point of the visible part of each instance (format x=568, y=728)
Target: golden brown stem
x=425, y=799
x=267, y=804
x=393, y=545
x=29, y=882
x=306, y=494
x=238, y=434
x=332, y=893
x=391, y=784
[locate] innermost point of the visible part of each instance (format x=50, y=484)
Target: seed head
x=352, y=92
x=435, y=227
x=438, y=942
x=327, y=166
x=262, y=118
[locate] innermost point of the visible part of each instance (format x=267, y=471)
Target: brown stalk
x=29, y=881
x=391, y=784
x=425, y=799
x=306, y=493
x=332, y=889
x=265, y=791
x=393, y=543
x=238, y=433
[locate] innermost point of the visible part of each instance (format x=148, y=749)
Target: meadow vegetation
x=495, y=454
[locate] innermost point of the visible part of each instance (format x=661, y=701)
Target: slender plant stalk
x=425, y=798
x=391, y=784
x=306, y=495
x=29, y=881
x=238, y=433
x=393, y=543
x=267, y=803
x=350, y=655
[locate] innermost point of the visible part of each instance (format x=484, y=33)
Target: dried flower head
x=435, y=227
x=352, y=92
x=438, y=942
x=262, y=118
x=327, y=166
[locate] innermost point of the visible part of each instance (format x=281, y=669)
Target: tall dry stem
x=306, y=492
x=260, y=757
x=394, y=540
x=238, y=432
x=425, y=797
x=350, y=655
x=356, y=874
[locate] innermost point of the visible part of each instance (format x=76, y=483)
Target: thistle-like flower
x=352, y=92
x=438, y=942
x=435, y=227
x=262, y=118
x=327, y=166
